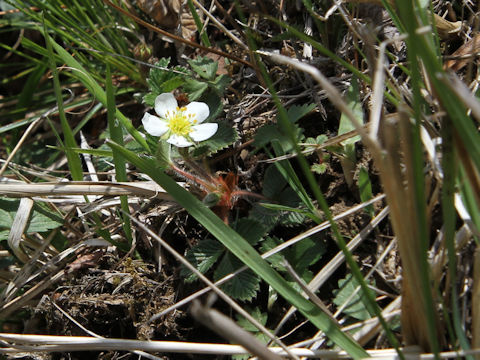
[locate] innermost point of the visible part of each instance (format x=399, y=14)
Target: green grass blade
x=74, y=162
x=98, y=92
x=116, y=134
x=449, y=223
x=198, y=23
x=244, y=251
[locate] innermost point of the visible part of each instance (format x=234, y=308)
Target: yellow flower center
x=180, y=123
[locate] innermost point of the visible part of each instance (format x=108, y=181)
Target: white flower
x=180, y=126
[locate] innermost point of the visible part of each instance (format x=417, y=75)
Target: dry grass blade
x=323, y=226
x=102, y=188
x=399, y=188
x=17, y=343
x=19, y=226
x=229, y=330
x=213, y=287
x=329, y=269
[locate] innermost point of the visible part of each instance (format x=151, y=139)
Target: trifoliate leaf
x=242, y=287
x=355, y=307
x=202, y=256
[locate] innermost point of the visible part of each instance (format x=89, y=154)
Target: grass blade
x=244, y=251
x=116, y=134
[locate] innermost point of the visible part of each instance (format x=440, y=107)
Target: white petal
x=203, y=131
x=164, y=103
x=199, y=110
x=179, y=141
x=154, y=125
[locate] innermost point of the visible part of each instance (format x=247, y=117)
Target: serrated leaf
x=319, y=168
x=224, y=137
x=242, y=287
x=214, y=103
x=202, y=256
x=355, y=307
x=266, y=134
x=273, y=183
x=204, y=67
x=268, y=218
x=162, y=79
x=41, y=220
x=194, y=88
x=220, y=83
x=296, y=112
x=304, y=254
x=257, y=314
x=251, y=230
x=276, y=259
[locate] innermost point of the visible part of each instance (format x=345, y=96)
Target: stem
x=191, y=177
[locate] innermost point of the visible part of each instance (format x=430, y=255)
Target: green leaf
x=162, y=79
x=266, y=134
x=273, y=183
x=355, y=307
x=244, y=251
x=319, y=168
x=365, y=189
x=74, y=162
x=42, y=218
x=296, y=112
x=242, y=287
x=220, y=83
x=257, y=314
x=194, y=88
x=355, y=104
x=251, y=230
x=224, y=137
x=304, y=254
x=83, y=75
x=202, y=256
x=4, y=234
x=204, y=67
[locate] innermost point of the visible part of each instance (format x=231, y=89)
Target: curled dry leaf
x=169, y=14
x=470, y=48
x=446, y=29
x=165, y=12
